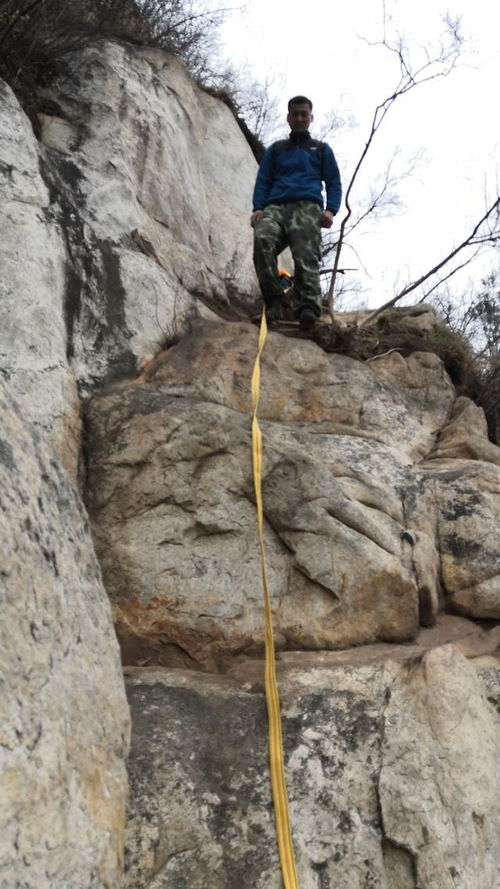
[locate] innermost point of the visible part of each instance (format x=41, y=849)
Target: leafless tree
x=410, y=77
x=474, y=313
x=258, y=103
x=475, y=316
x=252, y=100
x=485, y=232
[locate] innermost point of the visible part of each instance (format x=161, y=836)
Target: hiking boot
x=274, y=312
x=307, y=318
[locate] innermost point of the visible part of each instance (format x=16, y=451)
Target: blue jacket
x=294, y=169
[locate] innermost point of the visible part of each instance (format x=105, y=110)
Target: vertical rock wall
x=33, y=334
x=163, y=179
x=64, y=721
x=129, y=218
x=117, y=216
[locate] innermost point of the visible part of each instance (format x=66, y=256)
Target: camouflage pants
x=297, y=226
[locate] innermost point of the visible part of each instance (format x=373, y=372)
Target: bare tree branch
x=431, y=69
x=447, y=277
x=472, y=239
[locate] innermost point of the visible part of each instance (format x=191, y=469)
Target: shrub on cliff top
x=36, y=34
x=475, y=320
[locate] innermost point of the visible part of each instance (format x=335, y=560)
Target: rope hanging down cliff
x=276, y=758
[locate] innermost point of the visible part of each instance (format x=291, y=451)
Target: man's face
x=299, y=118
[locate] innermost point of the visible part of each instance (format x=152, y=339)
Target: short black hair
x=300, y=100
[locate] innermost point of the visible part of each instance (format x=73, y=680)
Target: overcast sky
x=322, y=49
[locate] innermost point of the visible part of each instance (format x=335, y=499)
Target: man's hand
x=326, y=219
x=254, y=218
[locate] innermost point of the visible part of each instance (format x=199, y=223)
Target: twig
x=468, y=242
x=408, y=80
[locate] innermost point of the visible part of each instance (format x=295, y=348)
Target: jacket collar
x=300, y=138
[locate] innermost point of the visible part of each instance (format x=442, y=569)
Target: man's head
x=300, y=114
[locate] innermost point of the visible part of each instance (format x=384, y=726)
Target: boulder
x=468, y=523
x=453, y=507
x=465, y=435
x=349, y=499
x=124, y=228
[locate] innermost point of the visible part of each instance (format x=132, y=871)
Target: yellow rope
x=282, y=815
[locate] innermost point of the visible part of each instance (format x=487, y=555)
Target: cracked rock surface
x=388, y=783
x=370, y=529
x=64, y=720
x=32, y=283
x=154, y=179
x=124, y=226
x=121, y=222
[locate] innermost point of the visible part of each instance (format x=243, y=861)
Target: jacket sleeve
x=331, y=178
x=264, y=181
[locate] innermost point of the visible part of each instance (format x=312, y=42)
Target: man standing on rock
x=288, y=211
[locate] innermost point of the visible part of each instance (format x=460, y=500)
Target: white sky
x=319, y=48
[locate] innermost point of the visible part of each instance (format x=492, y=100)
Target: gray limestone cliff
x=128, y=524
x=64, y=723
x=126, y=219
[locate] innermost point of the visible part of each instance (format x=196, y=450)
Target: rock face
x=124, y=232
x=388, y=787
x=163, y=180
x=367, y=525
x=32, y=284
x=127, y=219
x=63, y=714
